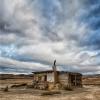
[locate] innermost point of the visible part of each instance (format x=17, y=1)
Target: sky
x=33, y=33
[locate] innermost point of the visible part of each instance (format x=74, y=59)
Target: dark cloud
x=14, y=70
x=4, y=28
x=92, y=40
x=88, y=3
x=91, y=17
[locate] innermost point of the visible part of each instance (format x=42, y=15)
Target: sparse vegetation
x=68, y=88
x=5, y=89
x=19, y=85
x=29, y=86
x=50, y=93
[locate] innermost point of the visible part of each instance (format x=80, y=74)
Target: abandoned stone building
x=52, y=77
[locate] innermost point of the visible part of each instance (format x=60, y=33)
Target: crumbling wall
x=50, y=77
x=63, y=79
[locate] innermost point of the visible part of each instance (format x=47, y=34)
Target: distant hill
x=12, y=76
x=91, y=79
x=95, y=75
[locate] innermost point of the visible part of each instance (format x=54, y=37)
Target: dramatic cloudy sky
x=35, y=32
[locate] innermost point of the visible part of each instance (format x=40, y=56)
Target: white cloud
x=45, y=39
x=6, y=62
x=7, y=38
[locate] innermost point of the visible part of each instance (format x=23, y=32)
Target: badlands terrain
x=90, y=90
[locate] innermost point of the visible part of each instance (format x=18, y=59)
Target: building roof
x=50, y=71
x=46, y=71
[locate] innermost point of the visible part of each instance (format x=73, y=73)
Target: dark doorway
x=72, y=78
x=45, y=77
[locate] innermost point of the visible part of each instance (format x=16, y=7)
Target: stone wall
x=63, y=78
x=50, y=77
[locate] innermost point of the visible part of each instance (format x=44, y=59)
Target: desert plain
x=87, y=92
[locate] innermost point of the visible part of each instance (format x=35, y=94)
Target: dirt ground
x=85, y=93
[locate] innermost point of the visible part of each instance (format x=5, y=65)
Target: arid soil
x=88, y=92
x=91, y=79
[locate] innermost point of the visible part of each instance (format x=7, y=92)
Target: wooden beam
x=55, y=72
x=75, y=80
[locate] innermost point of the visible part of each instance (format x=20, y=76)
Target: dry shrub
x=18, y=85
x=58, y=86
x=30, y=86
x=51, y=87
x=50, y=93
x=5, y=89
x=69, y=88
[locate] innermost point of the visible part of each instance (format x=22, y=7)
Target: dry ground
x=86, y=93
x=92, y=80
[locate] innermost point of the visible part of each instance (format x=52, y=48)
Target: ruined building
x=45, y=79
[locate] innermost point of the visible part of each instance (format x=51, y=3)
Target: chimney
x=55, y=72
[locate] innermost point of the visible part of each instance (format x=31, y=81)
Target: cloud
x=9, y=64
x=35, y=32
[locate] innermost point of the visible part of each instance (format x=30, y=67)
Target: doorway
x=73, y=80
